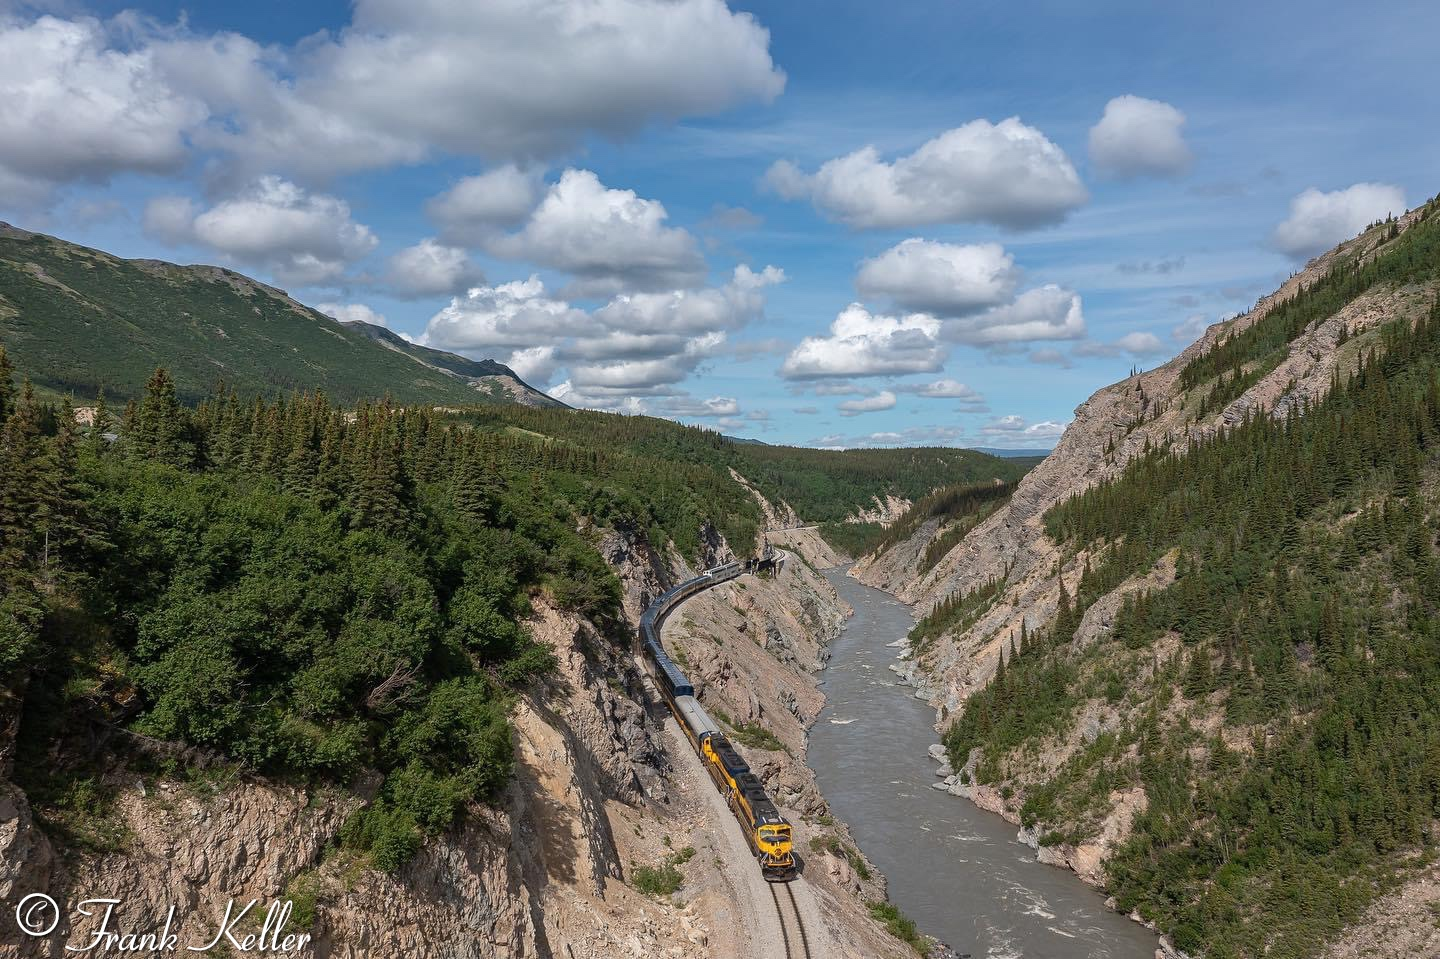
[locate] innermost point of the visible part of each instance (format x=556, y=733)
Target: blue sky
x=999, y=273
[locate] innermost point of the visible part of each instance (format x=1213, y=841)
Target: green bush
x=661, y=880
x=391, y=836
x=899, y=925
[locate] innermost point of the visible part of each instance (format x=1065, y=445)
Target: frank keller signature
x=39, y=915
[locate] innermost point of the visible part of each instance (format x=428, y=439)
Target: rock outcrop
x=1147, y=410
x=1113, y=426
x=547, y=871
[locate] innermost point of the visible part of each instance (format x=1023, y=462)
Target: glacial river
x=955, y=869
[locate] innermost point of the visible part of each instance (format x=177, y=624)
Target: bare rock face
x=642, y=574
x=1403, y=925
x=27, y=860
x=1118, y=423
x=519, y=880
x=777, y=516
x=896, y=567
x=885, y=512
x=547, y=871
x=1112, y=427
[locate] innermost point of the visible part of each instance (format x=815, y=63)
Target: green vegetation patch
x=1304, y=617
x=304, y=592
x=664, y=879
x=82, y=320
x=899, y=925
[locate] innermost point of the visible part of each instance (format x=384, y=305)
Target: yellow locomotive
x=767, y=832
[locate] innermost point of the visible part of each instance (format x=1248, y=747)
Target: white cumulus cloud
x=693, y=311
x=634, y=346
x=404, y=81
x=947, y=389
x=1045, y=313
x=308, y=239
x=1137, y=343
x=514, y=315
x=74, y=106
x=531, y=76
x=688, y=406
x=1005, y=173
x=862, y=343
x=609, y=239
x=945, y=279
x=883, y=400
x=471, y=210
x=1015, y=432
x=430, y=268
x=1319, y=220
x=535, y=364
x=1139, y=137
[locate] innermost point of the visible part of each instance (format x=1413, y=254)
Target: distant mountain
x=76, y=319
x=489, y=376
x=1011, y=454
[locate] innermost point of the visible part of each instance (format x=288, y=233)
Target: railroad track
x=792, y=927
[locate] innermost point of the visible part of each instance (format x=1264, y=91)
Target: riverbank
x=957, y=870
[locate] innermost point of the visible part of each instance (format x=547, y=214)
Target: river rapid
x=955, y=869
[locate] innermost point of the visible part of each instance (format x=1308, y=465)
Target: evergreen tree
x=102, y=424
x=158, y=428
x=7, y=386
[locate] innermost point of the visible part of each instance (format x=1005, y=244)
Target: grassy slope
x=76, y=319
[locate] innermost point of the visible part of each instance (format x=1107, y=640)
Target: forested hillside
x=1272, y=691
x=318, y=591
x=950, y=512
x=80, y=320
x=826, y=485
x=308, y=591
x=822, y=486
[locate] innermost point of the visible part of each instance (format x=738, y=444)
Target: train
x=767, y=832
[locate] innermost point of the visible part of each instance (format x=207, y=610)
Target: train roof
x=764, y=809
x=729, y=758
x=766, y=813
x=674, y=677
x=695, y=716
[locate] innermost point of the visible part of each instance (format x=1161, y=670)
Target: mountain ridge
x=79, y=319
x=1010, y=587
x=486, y=374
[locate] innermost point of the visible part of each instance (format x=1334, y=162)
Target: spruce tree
x=159, y=428
x=7, y=386
x=23, y=469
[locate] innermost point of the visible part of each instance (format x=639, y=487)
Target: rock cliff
x=1145, y=411
x=599, y=791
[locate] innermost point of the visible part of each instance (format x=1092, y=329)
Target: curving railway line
x=767, y=833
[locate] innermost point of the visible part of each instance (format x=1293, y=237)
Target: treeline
x=1241, y=359
x=958, y=508
x=1305, y=613
x=825, y=486
x=309, y=591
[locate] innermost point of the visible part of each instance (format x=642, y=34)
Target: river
x=955, y=869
